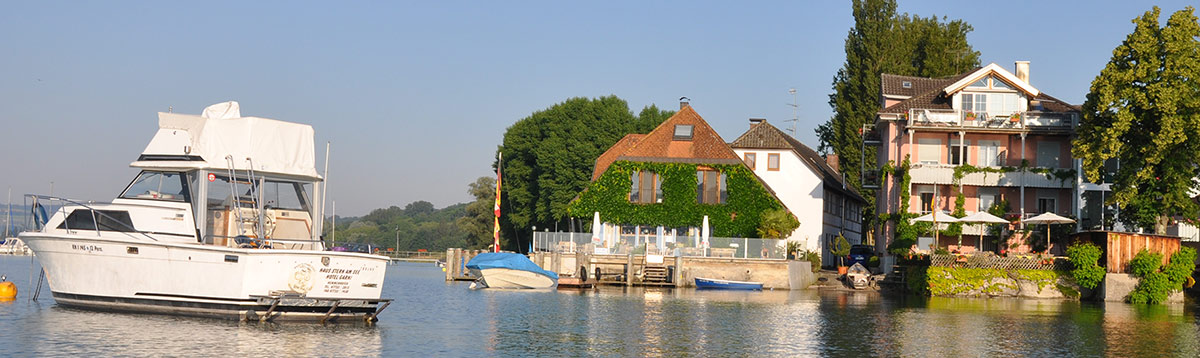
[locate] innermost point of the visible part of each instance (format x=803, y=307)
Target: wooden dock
x=585, y=270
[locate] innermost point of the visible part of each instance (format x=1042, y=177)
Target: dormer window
x=906, y=84
x=683, y=132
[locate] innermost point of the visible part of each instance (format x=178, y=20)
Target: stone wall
x=974, y=282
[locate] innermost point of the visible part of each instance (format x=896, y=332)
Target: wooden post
x=629, y=270
x=449, y=264
x=580, y=263
x=677, y=278
x=556, y=262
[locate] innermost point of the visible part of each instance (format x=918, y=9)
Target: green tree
x=883, y=41
x=1144, y=110
x=478, y=222
x=777, y=224
x=549, y=156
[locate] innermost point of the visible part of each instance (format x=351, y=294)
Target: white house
x=812, y=190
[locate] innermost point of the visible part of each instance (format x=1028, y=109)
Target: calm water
x=435, y=318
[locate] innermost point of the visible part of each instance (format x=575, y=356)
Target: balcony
x=944, y=174
x=966, y=120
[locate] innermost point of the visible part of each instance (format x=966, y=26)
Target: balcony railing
x=969, y=119
x=944, y=174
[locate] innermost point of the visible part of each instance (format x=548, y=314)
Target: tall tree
x=1144, y=110
x=549, y=155
x=883, y=41
x=477, y=224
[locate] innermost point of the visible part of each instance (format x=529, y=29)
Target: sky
x=415, y=97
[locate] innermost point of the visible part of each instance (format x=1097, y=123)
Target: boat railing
x=40, y=218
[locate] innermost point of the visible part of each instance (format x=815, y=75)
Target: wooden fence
x=1000, y=263
x=1120, y=247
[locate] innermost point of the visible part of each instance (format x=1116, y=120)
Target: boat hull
x=717, y=284
x=130, y=275
x=515, y=279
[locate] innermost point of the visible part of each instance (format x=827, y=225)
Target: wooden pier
x=582, y=270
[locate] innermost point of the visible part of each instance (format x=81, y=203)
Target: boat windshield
x=169, y=186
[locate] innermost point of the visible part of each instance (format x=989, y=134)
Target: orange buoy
x=8, y=290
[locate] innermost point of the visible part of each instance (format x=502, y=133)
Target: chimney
x=1022, y=68
x=754, y=121
x=832, y=160
x=683, y=102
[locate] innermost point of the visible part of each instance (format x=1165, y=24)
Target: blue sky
x=415, y=97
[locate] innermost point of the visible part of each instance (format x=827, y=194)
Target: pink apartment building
x=987, y=118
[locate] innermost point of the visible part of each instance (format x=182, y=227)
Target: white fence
x=667, y=245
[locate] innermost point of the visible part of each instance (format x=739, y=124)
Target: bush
x=813, y=257
x=1181, y=266
x=1145, y=263
x=1084, y=257
x=873, y=262
x=1156, y=284
x=841, y=248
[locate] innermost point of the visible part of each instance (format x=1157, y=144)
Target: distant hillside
x=418, y=226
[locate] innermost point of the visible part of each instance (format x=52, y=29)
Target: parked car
x=860, y=254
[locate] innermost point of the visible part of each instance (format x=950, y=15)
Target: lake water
x=431, y=317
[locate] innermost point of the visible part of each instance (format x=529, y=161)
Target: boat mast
x=8, y=215
x=325, y=187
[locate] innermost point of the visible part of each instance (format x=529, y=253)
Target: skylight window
x=906, y=84
x=683, y=132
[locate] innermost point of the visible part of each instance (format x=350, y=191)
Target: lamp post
x=397, y=242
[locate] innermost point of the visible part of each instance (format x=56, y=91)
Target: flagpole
x=496, y=228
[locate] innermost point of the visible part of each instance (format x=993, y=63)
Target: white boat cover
x=186, y=141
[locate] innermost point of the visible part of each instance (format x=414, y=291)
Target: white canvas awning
x=187, y=142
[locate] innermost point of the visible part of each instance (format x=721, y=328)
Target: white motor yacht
x=222, y=220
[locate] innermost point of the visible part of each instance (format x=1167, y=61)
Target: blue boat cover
x=507, y=260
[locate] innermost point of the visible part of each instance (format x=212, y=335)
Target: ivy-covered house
x=826, y=205
x=984, y=140
x=671, y=178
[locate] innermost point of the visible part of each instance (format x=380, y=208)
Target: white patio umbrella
x=982, y=217
x=658, y=239
x=597, y=236
x=936, y=217
x=1047, y=219
x=704, y=234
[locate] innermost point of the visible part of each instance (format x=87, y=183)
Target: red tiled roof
x=610, y=155
x=706, y=146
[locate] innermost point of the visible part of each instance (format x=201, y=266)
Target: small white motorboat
x=510, y=270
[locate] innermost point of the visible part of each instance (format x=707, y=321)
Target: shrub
x=873, y=262
x=1181, y=266
x=813, y=257
x=841, y=248
x=1156, y=284
x=1145, y=263
x=918, y=280
x=1084, y=257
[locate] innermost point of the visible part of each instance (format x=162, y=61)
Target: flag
x=496, y=229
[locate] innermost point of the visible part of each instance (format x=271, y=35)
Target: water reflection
x=435, y=318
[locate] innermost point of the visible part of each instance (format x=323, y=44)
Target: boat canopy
x=186, y=141
x=508, y=260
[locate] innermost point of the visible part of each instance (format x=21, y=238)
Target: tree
x=1144, y=110
x=882, y=41
x=777, y=224
x=479, y=219
x=549, y=155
